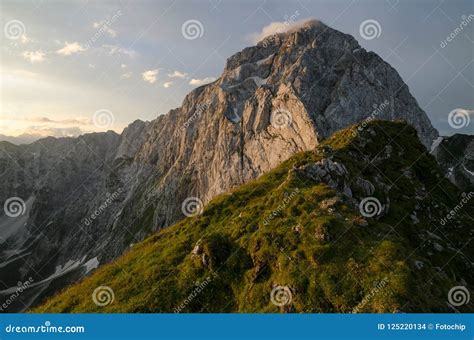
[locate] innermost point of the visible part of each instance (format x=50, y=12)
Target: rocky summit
x=84, y=201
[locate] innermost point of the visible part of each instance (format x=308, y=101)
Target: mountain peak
x=272, y=101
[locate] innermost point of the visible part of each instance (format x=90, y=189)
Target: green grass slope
x=288, y=242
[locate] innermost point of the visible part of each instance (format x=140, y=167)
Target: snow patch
x=435, y=144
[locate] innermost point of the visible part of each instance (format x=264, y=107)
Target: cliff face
x=455, y=155
x=90, y=198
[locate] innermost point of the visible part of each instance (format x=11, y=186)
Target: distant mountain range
x=85, y=201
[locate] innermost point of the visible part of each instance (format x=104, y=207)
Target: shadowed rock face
x=272, y=100
x=455, y=155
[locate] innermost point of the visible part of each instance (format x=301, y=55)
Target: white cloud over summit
x=278, y=27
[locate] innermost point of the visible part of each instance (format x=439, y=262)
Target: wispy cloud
x=167, y=84
x=150, y=75
x=114, y=49
x=203, y=81
x=70, y=48
x=126, y=75
x=104, y=26
x=177, y=74
x=34, y=56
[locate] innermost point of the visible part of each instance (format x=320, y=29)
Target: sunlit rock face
x=87, y=199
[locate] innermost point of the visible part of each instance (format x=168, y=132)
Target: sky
x=71, y=67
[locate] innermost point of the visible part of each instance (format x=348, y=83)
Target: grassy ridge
x=287, y=230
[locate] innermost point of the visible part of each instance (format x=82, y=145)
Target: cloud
x=104, y=26
x=34, y=56
x=123, y=66
x=150, y=76
x=278, y=27
x=167, y=84
x=114, y=49
x=201, y=81
x=25, y=39
x=70, y=48
x=126, y=75
x=47, y=120
x=177, y=74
